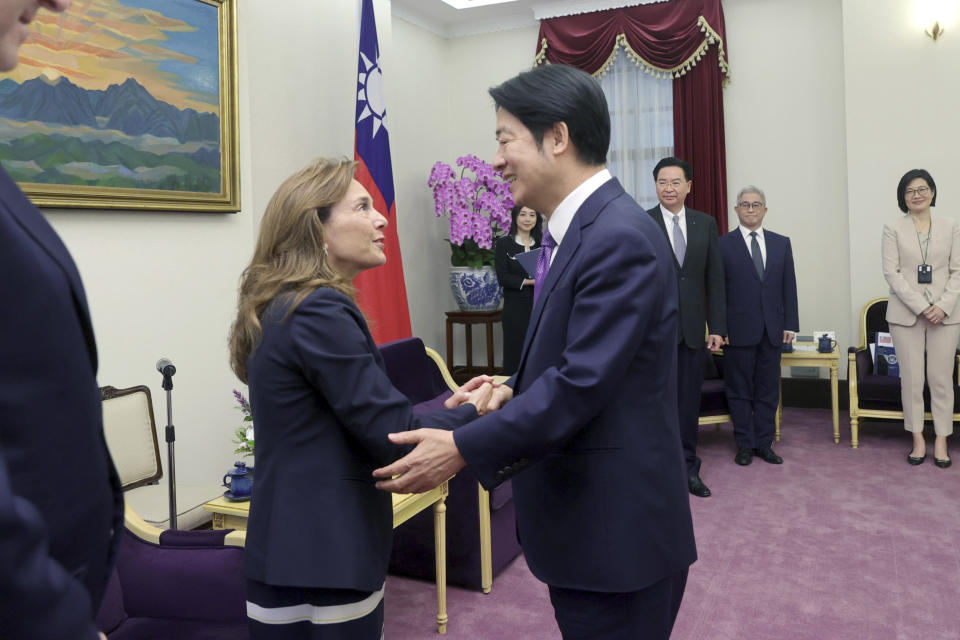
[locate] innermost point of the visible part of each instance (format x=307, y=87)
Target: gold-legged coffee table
x=228, y=514
x=829, y=361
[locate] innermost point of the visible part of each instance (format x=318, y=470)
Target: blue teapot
x=240, y=483
x=826, y=344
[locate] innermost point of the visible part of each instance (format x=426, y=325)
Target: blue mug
x=826, y=345
x=240, y=481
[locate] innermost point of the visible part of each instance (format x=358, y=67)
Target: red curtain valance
x=664, y=38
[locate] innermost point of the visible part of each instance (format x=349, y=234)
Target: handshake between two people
x=435, y=458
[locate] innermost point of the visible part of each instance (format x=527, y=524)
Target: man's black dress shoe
x=916, y=461
x=767, y=455
x=744, y=456
x=943, y=464
x=697, y=487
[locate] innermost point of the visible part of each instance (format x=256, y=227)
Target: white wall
x=418, y=114
x=902, y=104
x=439, y=109
x=163, y=285
x=785, y=133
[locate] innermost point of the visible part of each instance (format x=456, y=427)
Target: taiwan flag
x=382, y=293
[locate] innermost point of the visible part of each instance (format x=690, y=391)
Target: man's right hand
x=465, y=392
x=502, y=394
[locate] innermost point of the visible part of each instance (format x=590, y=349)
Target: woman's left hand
x=934, y=314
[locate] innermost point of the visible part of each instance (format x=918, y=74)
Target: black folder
x=528, y=260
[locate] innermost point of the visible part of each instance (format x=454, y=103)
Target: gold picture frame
x=147, y=118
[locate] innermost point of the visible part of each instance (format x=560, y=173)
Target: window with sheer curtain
x=641, y=125
x=680, y=41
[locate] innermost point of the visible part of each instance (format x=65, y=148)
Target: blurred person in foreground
x=921, y=263
x=61, y=507
x=588, y=431
x=525, y=233
x=320, y=532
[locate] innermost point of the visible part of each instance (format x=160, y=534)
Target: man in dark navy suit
x=693, y=236
x=60, y=500
x=761, y=317
x=590, y=436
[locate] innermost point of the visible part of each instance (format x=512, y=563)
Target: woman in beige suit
x=921, y=262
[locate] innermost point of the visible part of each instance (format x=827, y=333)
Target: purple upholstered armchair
x=481, y=526
x=873, y=395
x=713, y=399
x=175, y=584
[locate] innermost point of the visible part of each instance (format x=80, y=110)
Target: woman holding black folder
x=516, y=282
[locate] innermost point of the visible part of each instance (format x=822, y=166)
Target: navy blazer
x=60, y=496
x=602, y=500
x=700, y=279
x=755, y=305
x=322, y=407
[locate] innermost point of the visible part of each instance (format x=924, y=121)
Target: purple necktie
x=543, y=262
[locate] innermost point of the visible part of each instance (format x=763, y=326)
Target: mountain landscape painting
x=122, y=103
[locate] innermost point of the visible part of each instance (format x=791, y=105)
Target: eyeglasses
x=751, y=205
x=671, y=183
x=920, y=191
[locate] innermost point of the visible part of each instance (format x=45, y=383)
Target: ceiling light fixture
x=470, y=4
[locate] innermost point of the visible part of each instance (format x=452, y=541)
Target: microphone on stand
x=166, y=369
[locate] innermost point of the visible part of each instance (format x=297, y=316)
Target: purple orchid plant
x=243, y=435
x=478, y=208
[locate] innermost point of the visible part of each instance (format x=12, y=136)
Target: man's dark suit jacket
x=323, y=406
x=59, y=493
x=590, y=439
x=755, y=306
x=700, y=279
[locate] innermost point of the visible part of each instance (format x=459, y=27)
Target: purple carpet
x=835, y=544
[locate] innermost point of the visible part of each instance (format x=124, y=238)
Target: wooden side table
x=233, y=515
x=468, y=319
x=805, y=358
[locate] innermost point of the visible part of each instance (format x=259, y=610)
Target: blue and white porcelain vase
x=476, y=289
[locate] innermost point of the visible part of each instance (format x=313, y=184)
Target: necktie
x=543, y=262
x=679, y=243
x=755, y=254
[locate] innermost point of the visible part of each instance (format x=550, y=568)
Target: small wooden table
x=228, y=514
x=468, y=319
x=814, y=359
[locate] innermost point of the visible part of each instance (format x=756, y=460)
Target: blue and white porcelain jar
x=476, y=289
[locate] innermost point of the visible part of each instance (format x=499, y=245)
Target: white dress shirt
x=668, y=221
x=760, y=240
x=559, y=221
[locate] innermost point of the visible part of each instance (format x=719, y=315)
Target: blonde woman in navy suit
x=921, y=262
x=319, y=533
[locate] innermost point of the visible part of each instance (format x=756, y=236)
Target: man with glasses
x=693, y=236
x=761, y=317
